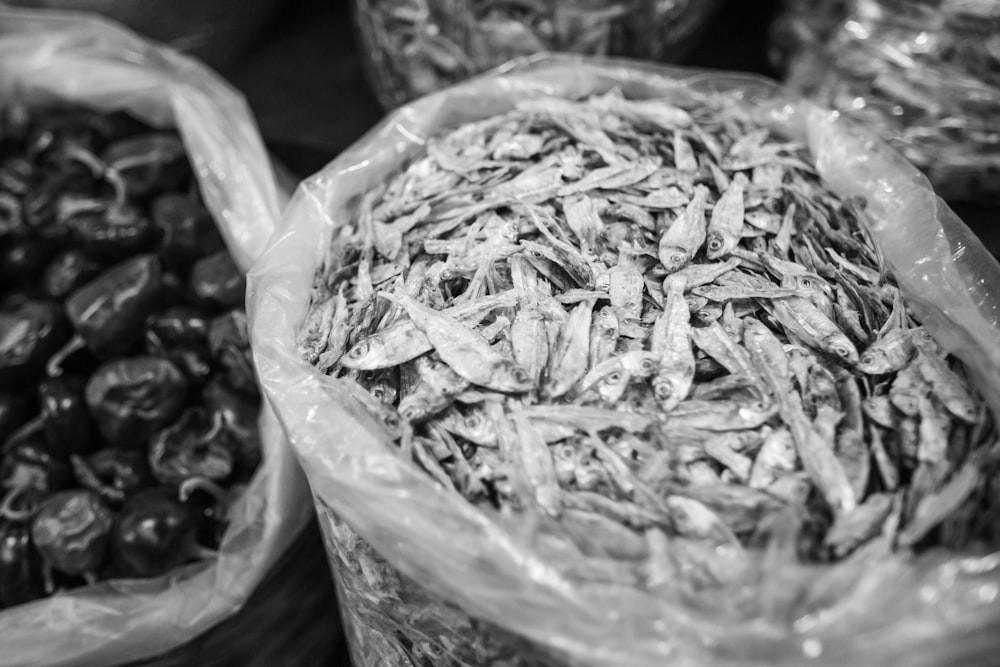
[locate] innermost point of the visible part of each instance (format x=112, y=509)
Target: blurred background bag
x=924, y=73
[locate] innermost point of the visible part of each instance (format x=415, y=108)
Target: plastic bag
x=46, y=58
x=214, y=32
x=414, y=47
x=428, y=579
x=925, y=74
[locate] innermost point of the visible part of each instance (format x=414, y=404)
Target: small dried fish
x=633, y=330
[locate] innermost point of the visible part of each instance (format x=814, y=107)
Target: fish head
x=715, y=243
x=364, y=353
x=644, y=364
x=708, y=314
x=841, y=346
x=414, y=408
x=673, y=259
x=613, y=384
x=963, y=409
x=873, y=362
x=511, y=377
x=384, y=392
x=667, y=392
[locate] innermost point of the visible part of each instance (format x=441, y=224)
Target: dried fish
x=573, y=325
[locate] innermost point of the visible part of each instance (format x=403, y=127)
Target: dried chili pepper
x=180, y=334
x=154, y=533
x=109, y=312
x=132, y=398
x=66, y=421
x=113, y=473
x=112, y=233
x=217, y=279
x=229, y=342
x=196, y=445
x=148, y=163
x=71, y=532
x=67, y=271
x=188, y=232
x=30, y=332
x=28, y=474
x=240, y=417
x=14, y=411
x=21, y=261
x=20, y=576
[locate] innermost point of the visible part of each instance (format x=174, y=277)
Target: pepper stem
x=75, y=344
x=27, y=429
x=47, y=581
x=7, y=510
x=192, y=484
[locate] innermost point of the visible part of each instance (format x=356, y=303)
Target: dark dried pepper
x=133, y=398
x=180, y=334
x=30, y=332
x=187, y=229
x=67, y=271
x=71, y=531
x=20, y=576
x=113, y=473
x=66, y=421
x=197, y=445
x=217, y=279
x=229, y=341
x=109, y=312
x=154, y=533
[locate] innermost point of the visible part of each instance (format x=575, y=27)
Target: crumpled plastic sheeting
x=924, y=73
x=936, y=609
x=54, y=57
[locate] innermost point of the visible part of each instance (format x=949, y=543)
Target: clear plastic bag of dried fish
x=414, y=47
x=925, y=74
x=598, y=363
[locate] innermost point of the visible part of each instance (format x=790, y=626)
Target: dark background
x=303, y=80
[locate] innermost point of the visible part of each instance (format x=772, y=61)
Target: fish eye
x=369, y=375
x=663, y=390
x=758, y=406
x=391, y=422
x=715, y=243
x=704, y=314
x=648, y=365
x=359, y=350
x=678, y=257
x=379, y=393
x=519, y=374
x=473, y=421
x=805, y=282
x=613, y=378
x=868, y=358
x=411, y=411
x=842, y=351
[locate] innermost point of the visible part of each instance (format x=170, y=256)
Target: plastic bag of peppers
x=145, y=493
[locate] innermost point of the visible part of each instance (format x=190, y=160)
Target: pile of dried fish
x=651, y=326
x=925, y=74
x=415, y=47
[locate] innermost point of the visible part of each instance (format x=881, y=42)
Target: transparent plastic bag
x=414, y=47
x=429, y=579
x=925, y=75
x=48, y=58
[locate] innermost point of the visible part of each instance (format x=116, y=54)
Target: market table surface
x=304, y=81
